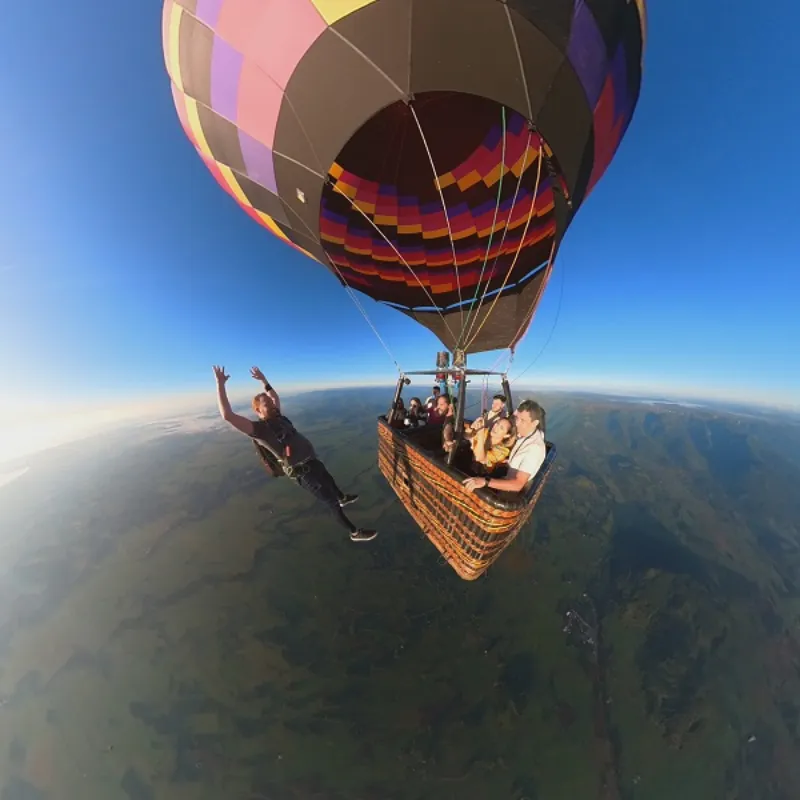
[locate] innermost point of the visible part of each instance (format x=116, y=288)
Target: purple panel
x=587, y=52
x=619, y=77
x=258, y=160
x=226, y=69
x=208, y=11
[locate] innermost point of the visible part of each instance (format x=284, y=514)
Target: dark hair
x=536, y=412
x=499, y=397
x=511, y=436
x=415, y=399
x=437, y=389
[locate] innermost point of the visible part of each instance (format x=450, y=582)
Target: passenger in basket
x=527, y=455
x=491, y=447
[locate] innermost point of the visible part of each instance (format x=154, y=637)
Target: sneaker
x=346, y=499
x=363, y=535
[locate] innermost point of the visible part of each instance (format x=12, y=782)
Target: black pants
x=317, y=480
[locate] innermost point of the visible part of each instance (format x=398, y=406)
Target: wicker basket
x=470, y=530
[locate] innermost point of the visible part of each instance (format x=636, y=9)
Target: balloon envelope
x=422, y=150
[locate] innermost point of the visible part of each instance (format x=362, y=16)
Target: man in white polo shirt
x=527, y=455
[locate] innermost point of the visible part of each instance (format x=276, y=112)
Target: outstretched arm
x=515, y=484
x=240, y=423
x=256, y=373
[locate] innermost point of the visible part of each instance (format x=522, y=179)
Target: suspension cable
x=552, y=329
x=499, y=359
x=494, y=221
x=446, y=218
x=516, y=255
x=505, y=227
x=529, y=314
x=397, y=252
x=366, y=317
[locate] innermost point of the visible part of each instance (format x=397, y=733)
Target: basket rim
x=503, y=501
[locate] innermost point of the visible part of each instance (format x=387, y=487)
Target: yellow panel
x=346, y=189
x=385, y=219
x=335, y=172
x=463, y=235
x=523, y=220
x=469, y=180
x=441, y=289
x=494, y=175
x=540, y=212
x=435, y=234
x=362, y=270
x=326, y=237
x=409, y=228
x=501, y=223
x=363, y=206
x=173, y=54
x=526, y=159
x=445, y=181
x=197, y=128
x=269, y=223
x=332, y=10
x=230, y=179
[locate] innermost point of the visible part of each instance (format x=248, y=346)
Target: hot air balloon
x=431, y=154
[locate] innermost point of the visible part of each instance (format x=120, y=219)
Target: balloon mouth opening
x=449, y=182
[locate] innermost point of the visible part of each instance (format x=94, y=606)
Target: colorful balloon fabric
x=430, y=153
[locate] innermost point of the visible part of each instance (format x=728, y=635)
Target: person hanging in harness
x=292, y=451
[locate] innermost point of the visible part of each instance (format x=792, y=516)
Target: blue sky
x=126, y=272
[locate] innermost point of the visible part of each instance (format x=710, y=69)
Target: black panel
x=307, y=243
x=293, y=134
x=223, y=139
x=632, y=41
x=470, y=51
x=541, y=60
x=584, y=173
x=552, y=17
x=333, y=91
x=566, y=123
x=608, y=15
x=195, y=42
x=262, y=199
x=382, y=31
x=290, y=177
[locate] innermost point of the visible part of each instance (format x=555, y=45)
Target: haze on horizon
x=139, y=272
x=28, y=436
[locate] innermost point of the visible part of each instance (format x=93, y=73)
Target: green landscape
x=176, y=624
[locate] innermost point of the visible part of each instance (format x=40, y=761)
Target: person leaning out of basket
x=527, y=455
x=492, y=446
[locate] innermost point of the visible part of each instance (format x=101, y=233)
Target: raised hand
x=219, y=374
x=478, y=424
x=257, y=374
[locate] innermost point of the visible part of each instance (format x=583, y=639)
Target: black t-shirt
x=277, y=434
